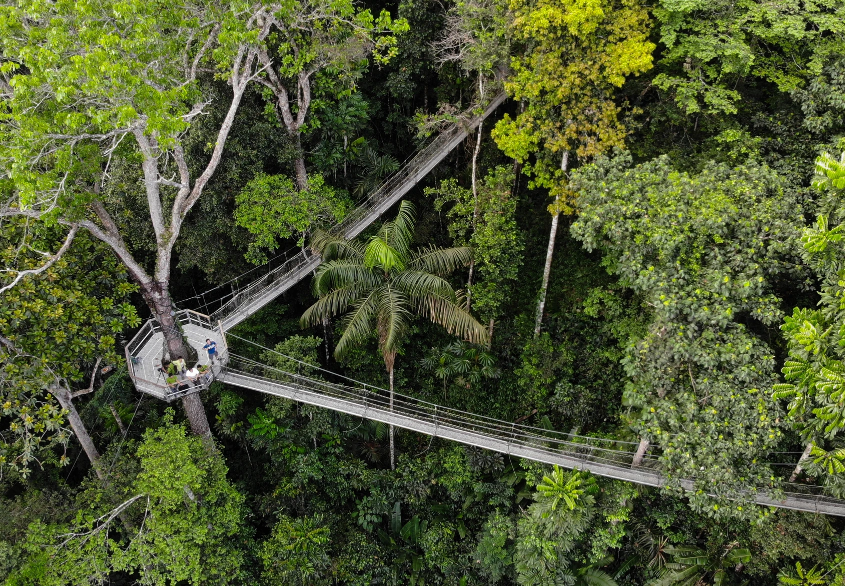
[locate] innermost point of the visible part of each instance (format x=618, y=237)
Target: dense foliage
x=643, y=248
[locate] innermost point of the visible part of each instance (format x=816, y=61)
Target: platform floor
x=148, y=358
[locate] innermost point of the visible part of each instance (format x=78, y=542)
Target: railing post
x=435, y=421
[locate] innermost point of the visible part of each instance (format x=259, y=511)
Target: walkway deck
x=144, y=353
x=607, y=458
x=267, y=288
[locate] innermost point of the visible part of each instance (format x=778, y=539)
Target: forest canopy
x=530, y=292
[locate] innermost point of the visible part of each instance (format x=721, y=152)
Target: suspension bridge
x=603, y=457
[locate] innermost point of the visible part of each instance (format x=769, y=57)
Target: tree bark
x=475, y=189
x=547, y=269
x=300, y=174
x=390, y=431
x=641, y=450
x=79, y=429
x=117, y=419
x=803, y=457
x=490, y=333
x=158, y=298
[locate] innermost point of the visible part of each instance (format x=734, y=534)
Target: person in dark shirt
x=211, y=347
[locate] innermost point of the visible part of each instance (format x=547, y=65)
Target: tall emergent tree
x=382, y=284
x=576, y=53
x=84, y=83
x=312, y=38
x=476, y=35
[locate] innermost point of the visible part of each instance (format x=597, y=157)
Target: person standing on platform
x=211, y=347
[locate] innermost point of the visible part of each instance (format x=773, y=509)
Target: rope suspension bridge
x=604, y=457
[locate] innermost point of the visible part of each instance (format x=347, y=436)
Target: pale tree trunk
x=475, y=189
x=79, y=429
x=490, y=333
x=293, y=123
x=640, y=454
x=390, y=431
x=117, y=419
x=799, y=468
x=65, y=398
x=547, y=269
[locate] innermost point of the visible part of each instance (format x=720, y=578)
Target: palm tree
x=379, y=285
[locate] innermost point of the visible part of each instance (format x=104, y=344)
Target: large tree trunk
x=799, y=468
x=79, y=429
x=390, y=432
x=300, y=174
x=159, y=301
x=547, y=269
x=640, y=455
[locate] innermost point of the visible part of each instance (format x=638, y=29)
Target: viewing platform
x=145, y=351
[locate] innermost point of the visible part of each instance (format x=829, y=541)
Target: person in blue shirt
x=211, y=347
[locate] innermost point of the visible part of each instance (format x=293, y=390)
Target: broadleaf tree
x=84, y=83
x=575, y=56
x=702, y=251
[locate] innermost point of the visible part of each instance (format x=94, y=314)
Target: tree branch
x=21, y=274
x=90, y=388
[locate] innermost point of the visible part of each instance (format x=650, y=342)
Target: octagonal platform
x=144, y=356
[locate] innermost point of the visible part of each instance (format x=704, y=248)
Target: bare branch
x=21, y=274
x=90, y=388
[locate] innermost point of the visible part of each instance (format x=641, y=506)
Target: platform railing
x=607, y=457
x=373, y=399
x=153, y=381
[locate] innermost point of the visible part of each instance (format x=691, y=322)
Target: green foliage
x=700, y=250
x=577, y=54
x=271, y=208
x=709, y=46
x=296, y=553
x=383, y=281
x=59, y=323
x=463, y=364
x=182, y=516
x=486, y=224
x=814, y=369
x=801, y=577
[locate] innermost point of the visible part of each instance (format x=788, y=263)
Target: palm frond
x=445, y=312
x=393, y=316
x=358, y=324
x=338, y=274
x=417, y=284
x=595, y=577
x=441, y=261
x=380, y=254
x=332, y=304
x=400, y=232
x=332, y=247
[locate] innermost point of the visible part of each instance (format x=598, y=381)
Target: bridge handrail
x=420, y=409
x=360, y=217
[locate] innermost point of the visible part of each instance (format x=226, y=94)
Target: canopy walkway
x=274, y=282
x=603, y=457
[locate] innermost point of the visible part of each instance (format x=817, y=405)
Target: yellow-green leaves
x=576, y=53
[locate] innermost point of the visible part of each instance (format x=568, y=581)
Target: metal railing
x=605, y=457
x=267, y=287
x=144, y=353
x=377, y=401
